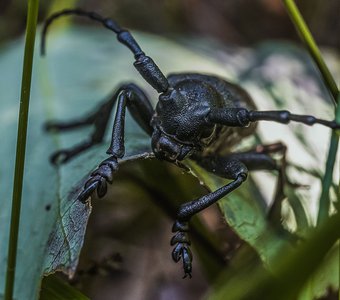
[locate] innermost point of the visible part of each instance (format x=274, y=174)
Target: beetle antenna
x=144, y=64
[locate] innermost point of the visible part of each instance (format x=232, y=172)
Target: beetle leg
x=99, y=119
x=234, y=166
x=261, y=158
x=232, y=169
x=139, y=106
x=141, y=110
x=58, y=126
x=274, y=213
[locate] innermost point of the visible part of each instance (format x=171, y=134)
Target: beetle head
x=182, y=111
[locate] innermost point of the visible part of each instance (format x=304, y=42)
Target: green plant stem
x=313, y=49
x=328, y=178
x=32, y=17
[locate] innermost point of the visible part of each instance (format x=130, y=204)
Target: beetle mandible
x=196, y=117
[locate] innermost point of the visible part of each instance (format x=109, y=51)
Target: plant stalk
x=312, y=47
x=315, y=52
x=327, y=180
x=32, y=16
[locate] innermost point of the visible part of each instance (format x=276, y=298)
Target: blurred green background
x=241, y=22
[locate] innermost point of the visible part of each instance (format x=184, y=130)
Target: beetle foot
x=99, y=178
x=64, y=155
x=182, y=248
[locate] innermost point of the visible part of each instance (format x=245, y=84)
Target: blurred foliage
x=54, y=288
x=233, y=21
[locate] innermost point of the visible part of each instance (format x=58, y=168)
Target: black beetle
x=197, y=116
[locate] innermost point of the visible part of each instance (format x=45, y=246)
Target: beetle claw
x=99, y=178
x=177, y=253
x=187, y=261
x=182, y=248
x=88, y=190
x=102, y=187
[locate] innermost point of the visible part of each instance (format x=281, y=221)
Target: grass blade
x=32, y=17
x=313, y=49
x=328, y=178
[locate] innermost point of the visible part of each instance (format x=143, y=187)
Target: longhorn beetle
x=196, y=116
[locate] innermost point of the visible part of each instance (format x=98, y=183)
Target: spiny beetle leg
x=231, y=168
